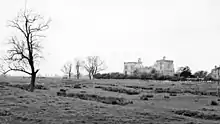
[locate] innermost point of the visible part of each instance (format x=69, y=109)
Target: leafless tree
x=25, y=52
x=2, y=70
x=78, y=65
x=67, y=69
x=93, y=65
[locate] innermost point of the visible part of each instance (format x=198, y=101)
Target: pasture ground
x=19, y=106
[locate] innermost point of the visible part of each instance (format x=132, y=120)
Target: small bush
x=146, y=96
x=5, y=113
x=103, y=99
x=120, y=90
x=140, y=87
x=143, y=97
x=77, y=86
x=207, y=109
x=4, y=83
x=173, y=94
x=166, y=97
x=61, y=94
x=27, y=86
x=62, y=90
x=197, y=114
x=82, y=91
x=214, y=103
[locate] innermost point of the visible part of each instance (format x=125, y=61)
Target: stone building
x=215, y=73
x=130, y=67
x=164, y=67
x=146, y=69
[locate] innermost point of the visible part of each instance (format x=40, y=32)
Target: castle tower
x=164, y=57
x=139, y=60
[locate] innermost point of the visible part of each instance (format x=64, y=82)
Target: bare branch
x=25, y=51
x=93, y=65
x=67, y=69
x=16, y=68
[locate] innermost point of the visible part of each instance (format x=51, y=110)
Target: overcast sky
x=186, y=31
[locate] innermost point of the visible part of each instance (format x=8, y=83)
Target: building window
x=126, y=67
x=126, y=72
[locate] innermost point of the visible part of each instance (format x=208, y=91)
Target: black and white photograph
x=109, y=62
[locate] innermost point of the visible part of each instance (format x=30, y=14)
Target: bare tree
x=2, y=70
x=78, y=64
x=93, y=65
x=25, y=52
x=67, y=69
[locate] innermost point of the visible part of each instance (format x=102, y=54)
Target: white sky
x=186, y=31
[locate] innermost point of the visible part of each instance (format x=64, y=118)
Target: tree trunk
x=69, y=75
x=90, y=76
x=33, y=78
x=77, y=74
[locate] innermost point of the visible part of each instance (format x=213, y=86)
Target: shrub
x=143, y=97
x=197, y=114
x=120, y=90
x=27, y=86
x=61, y=93
x=162, y=90
x=4, y=83
x=146, y=96
x=117, y=75
x=166, y=97
x=173, y=94
x=214, y=103
x=5, y=113
x=103, y=99
x=77, y=86
x=82, y=91
x=97, y=76
x=140, y=87
x=63, y=90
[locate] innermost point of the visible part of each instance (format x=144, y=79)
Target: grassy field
x=108, y=102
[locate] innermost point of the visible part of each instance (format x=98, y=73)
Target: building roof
x=162, y=60
x=130, y=62
x=217, y=68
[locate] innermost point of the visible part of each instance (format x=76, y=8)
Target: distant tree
x=67, y=69
x=184, y=72
x=78, y=65
x=201, y=74
x=153, y=71
x=25, y=52
x=94, y=65
x=2, y=70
